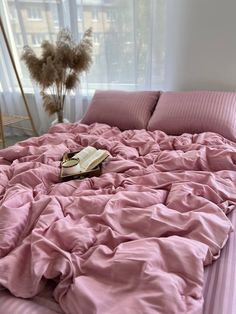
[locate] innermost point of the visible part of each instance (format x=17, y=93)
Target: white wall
x=201, y=44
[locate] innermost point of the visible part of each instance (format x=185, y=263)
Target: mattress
x=220, y=279
x=43, y=303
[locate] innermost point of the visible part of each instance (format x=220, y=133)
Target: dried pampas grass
x=58, y=68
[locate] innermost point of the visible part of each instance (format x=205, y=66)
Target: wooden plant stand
x=13, y=120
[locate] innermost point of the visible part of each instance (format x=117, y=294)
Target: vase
x=60, y=118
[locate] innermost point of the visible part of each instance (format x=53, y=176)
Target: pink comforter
x=134, y=240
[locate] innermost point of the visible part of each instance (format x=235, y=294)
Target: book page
x=93, y=160
x=85, y=153
x=90, y=157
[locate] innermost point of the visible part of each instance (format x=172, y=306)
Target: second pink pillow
x=195, y=112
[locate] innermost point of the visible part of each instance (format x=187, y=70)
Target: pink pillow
x=195, y=112
x=124, y=109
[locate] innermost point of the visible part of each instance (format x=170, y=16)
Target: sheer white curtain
x=129, y=48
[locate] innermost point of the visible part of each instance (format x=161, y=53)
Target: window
x=95, y=15
x=37, y=39
x=18, y=39
x=128, y=50
x=128, y=37
x=96, y=38
x=13, y=13
x=54, y=14
x=34, y=13
x=79, y=13
x=110, y=15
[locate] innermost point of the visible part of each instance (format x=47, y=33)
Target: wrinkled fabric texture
x=134, y=240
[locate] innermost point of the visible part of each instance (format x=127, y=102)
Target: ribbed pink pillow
x=124, y=109
x=195, y=112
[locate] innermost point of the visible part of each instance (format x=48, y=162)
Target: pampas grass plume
x=58, y=68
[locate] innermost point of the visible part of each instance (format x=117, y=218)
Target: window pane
x=34, y=12
x=128, y=36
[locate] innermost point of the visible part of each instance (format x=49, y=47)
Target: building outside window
x=79, y=13
x=96, y=38
x=34, y=13
x=13, y=13
x=94, y=15
x=55, y=17
x=37, y=39
x=110, y=15
x=18, y=39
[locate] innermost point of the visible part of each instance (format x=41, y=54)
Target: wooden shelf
x=9, y=120
x=12, y=121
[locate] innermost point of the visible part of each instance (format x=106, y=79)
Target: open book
x=90, y=157
x=82, y=164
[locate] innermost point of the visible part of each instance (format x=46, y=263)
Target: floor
x=11, y=140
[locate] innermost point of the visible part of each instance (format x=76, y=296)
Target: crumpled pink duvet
x=134, y=240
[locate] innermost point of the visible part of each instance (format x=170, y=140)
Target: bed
x=136, y=239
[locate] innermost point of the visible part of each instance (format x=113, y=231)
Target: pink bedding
x=134, y=240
